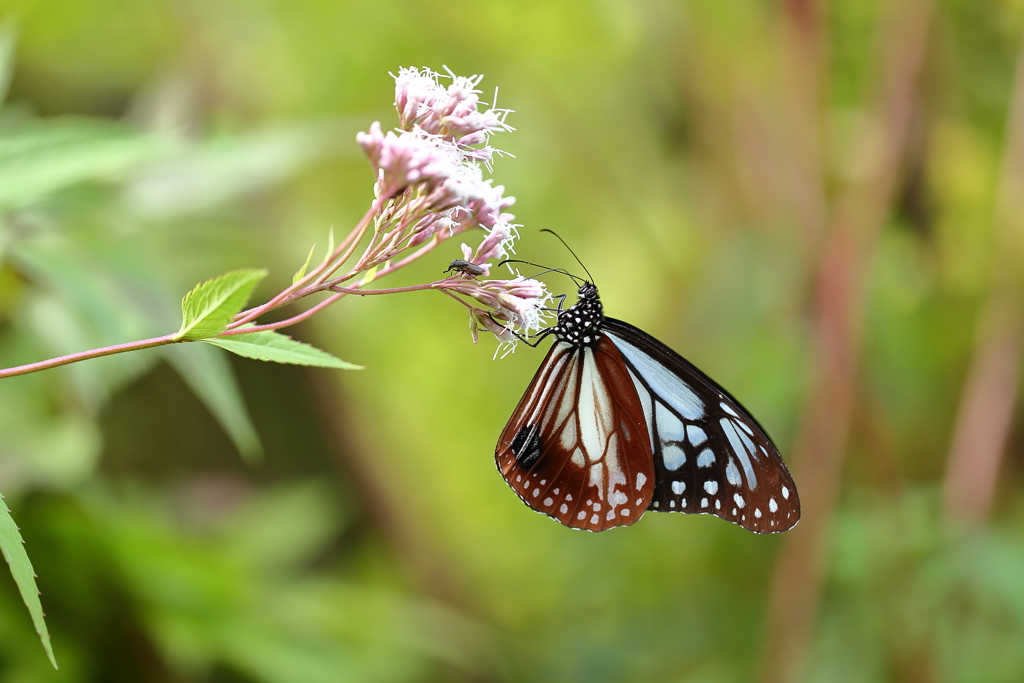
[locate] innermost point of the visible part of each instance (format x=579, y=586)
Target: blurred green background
x=818, y=203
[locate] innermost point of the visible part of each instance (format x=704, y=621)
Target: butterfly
x=616, y=423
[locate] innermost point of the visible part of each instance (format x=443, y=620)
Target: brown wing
x=577, y=447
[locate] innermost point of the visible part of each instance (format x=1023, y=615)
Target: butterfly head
x=580, y=324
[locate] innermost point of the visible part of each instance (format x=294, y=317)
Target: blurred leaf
x=85, y=296
x=218, y=171
x=7, y=41
x=281, y=529
x=62, y=328
x=301, y=272
x=38, y=157
x=209, y=375
x=13, y=548
x=272, y=346
x=211, y=305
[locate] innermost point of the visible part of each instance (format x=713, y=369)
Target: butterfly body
x=615, y=423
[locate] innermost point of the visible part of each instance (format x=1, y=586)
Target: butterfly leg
x=526, y=340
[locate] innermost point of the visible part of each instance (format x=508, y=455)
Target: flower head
x=519, y=303
x=451, y=113
x=431, y=186
x=408, y=159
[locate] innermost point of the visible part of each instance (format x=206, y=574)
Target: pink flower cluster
x=429, y=171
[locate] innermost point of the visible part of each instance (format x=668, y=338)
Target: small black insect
x=466, y=267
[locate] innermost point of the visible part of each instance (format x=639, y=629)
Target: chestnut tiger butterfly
x=616, y=423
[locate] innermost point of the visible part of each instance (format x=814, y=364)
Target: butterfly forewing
x=577, y=447
x=709, y=455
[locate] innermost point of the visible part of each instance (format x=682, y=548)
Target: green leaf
x=302, y=271
x=278, y=348
x=210, y=306
x=13, y=549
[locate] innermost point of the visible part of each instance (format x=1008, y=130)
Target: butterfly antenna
x=563, y=271
x=570, y=251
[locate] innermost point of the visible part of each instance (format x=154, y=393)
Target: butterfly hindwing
x=709, y=455
x=577, y=447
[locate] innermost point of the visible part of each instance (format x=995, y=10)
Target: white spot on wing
x=705, y=459
x=727, y=409
x=673, y=457
x=740, y=451
x=549, y=501
x=594, y=409
x=564, y=509
x=696, y=435
x=568, y=436
x=678, y=487
x=785, y=493
x=597, y=478
x=757, y=512
x=670, y=427
x=711, y=487
x=577, y=458
x=739, y=500
x=640, y=479
x=732, y=473
x=772, y=505
x=703, y=502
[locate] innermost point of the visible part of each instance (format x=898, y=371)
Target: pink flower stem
x=86, y=355
x=394, y=290
x=284, y=323
x=331, y=263
x=457, y=298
